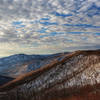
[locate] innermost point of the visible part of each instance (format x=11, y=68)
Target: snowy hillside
x=58, y=79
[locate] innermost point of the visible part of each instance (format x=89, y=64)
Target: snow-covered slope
x=19, y=64
x=61, y=78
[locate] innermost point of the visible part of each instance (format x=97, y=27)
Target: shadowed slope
x=5, y=79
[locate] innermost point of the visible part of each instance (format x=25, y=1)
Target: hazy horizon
x=45, y=53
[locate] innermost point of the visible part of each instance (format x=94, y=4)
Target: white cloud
x=27, y=35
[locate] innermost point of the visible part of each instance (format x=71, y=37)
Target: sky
x=48, y=26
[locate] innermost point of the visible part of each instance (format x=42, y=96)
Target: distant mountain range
x=73, y=76
x=19, y=64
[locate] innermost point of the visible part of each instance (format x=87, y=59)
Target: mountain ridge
x=19, y=64
x=76, y=70
x=54, y=63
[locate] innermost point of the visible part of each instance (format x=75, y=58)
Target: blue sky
x=48, y=26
